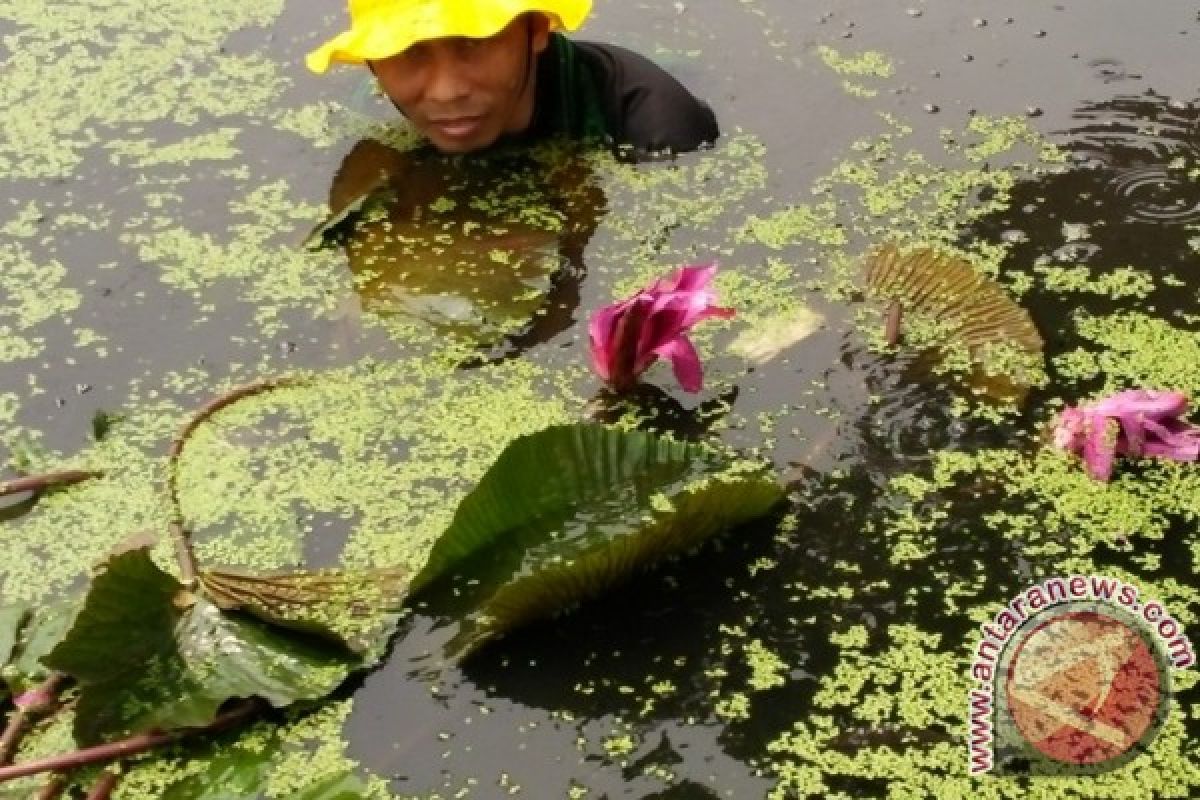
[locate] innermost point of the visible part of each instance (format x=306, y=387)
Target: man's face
x=464, y=94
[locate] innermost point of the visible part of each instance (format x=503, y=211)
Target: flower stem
x=134, y=745
x=49, y=480
x=891, y=331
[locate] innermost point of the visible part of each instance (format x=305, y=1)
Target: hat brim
x=397, y=27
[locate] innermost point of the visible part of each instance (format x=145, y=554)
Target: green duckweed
x=1121, y=283
x=384, y=447
x=31, y=294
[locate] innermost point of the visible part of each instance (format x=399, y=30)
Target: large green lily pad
x=568, y=512
x=148, y=654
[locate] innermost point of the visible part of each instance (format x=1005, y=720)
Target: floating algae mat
x=163, y=172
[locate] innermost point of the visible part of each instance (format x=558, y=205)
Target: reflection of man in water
x=488, y=249
x=471, y=73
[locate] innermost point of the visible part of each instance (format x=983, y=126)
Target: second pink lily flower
x=1136, y=423
x=627, y=337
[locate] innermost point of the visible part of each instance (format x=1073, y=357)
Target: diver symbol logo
x=1082, y=689
x=1072, y=677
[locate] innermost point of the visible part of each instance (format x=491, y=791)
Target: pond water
x=164, y=168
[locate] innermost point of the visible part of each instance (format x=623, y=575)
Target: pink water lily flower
x=627, y=337
x=1136, y=422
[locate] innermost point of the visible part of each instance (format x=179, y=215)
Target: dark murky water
x=1114, y=82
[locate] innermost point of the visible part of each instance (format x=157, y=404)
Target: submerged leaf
x=764, y=341
x=481, y=280
x=149, y=655
x=239, y=772
x=566, y=513
x=356, y=609
x=479, y=251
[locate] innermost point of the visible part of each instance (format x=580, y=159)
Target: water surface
x=179, y=271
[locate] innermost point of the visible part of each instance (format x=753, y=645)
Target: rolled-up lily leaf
x=976, y=313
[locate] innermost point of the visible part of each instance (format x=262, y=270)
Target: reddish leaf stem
x=181, y=536
x=134, y=745
x=53, y=788
x=49, y=480
x=103, y=788
x=13, y=732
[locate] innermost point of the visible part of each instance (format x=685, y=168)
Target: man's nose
x=447, y=82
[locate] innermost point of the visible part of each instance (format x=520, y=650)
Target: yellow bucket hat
x=382, y=28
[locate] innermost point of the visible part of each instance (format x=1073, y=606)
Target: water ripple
x=1145, y=145
x=1156, y=194
x=1128, y=128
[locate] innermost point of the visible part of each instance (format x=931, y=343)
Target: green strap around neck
x=580, y=112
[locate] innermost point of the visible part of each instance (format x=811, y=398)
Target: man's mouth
x=457, y=127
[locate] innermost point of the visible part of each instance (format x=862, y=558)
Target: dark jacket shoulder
x=588, y=87
x=647, y=108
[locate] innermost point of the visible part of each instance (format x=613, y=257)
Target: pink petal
x=672, y=316
x=1155, y=404
x=627, y=337
x=684, y=362
x=1068, y=430
x=1100, y=448
x=1135, y=423
x=602, y=328
x=1133, y=428
x=666, y=321
x=685, y=279
x=34, y=699
x=1177, y=445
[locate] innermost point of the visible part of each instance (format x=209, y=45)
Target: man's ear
x=539, y=32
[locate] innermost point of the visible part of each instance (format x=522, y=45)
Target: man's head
x=462, y=71
x=463, y=94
